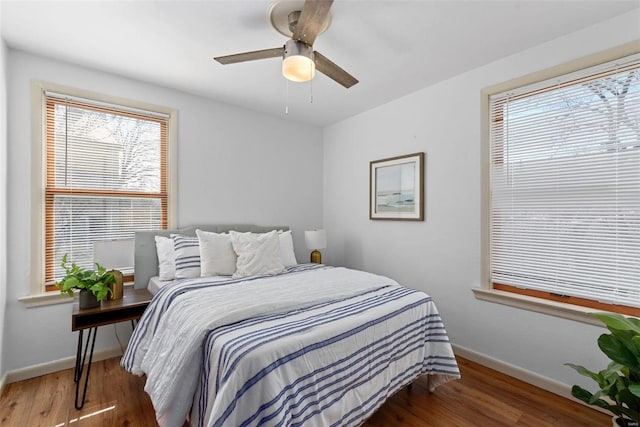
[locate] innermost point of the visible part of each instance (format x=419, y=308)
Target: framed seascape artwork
x=396, y=189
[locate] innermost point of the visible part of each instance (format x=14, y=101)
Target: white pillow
x=217, y=257
x=166, y=258
x=187, y=251
x=286, y=249
x=257, y=253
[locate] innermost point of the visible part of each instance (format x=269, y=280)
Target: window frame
x=532, y=301
x=38, y=293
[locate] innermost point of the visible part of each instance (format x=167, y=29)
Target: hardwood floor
x=482, y=397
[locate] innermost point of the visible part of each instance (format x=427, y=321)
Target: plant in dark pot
x=620, y=382
x=93, y=284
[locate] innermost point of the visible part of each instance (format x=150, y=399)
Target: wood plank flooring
x=482, y=397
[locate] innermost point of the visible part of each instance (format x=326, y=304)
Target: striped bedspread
x=315, y=346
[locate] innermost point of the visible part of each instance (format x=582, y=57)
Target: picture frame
x=396, y=188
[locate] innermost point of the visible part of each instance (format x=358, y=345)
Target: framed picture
x=396, y=189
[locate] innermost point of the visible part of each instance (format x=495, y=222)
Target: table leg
x=80, y=363
x=76, y=373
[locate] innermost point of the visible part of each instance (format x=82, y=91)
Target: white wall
x=3, y=197
x=442, y=254
x=234, y=165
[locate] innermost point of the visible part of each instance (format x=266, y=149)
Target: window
x=565, y=188
x=105, y=177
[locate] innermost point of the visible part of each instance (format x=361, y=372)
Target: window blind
x=565, y=185
x=105, y=177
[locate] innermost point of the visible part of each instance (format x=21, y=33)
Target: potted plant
x=620, y=382
x=93, y=284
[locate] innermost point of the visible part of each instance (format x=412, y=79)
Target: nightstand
x=129, y=307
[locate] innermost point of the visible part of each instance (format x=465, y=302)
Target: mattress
x=155, y=284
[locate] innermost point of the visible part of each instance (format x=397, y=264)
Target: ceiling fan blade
x=331, y=70
x=312, y=17
x=251, y=56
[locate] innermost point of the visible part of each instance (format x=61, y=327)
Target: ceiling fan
x=299, y=60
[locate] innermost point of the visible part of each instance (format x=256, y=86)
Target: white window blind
x=105, y=177
x=565, y=185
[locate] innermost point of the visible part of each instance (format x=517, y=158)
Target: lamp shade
x=298, y=65
x=316, y=239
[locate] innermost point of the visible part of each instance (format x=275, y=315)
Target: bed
x=312, y=345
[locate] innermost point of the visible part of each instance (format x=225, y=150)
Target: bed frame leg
x=410, y=385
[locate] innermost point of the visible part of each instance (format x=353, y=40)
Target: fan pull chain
x=286, y=103
x=310, y=86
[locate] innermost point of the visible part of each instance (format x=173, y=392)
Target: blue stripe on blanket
x=283, y=360
x=367, y=408
x=238, y=341
x=412, y=340
x=261, y=336
x=360, y=413
x=163, y=299
x=338, y=394
x=303, y=325
x=381, y=348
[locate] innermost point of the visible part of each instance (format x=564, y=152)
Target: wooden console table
x=129, y=307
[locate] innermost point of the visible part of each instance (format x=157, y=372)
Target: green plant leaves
x=97, y=281
x=101, y=292
x=617, y=350
x=108, y=278
x=584, y=395
x=584, y=371
x=70, y=283
x=619, y=322
x=620, y=382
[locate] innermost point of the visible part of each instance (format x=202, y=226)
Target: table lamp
x=116, y=256
x=316, y=239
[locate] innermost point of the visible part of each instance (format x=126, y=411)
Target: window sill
x=45, y=298
x=558, y=309
x=51, y=298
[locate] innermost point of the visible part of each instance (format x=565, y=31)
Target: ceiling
x=393, y=47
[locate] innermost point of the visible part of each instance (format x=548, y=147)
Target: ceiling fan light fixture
x=298, y=64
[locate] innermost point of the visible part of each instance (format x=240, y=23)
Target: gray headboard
x=146, y=257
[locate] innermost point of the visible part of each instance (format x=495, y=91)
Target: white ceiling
x=392, y=47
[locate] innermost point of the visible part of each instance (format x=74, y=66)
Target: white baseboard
x=522, y=374
x=54, y=366
x=3, y=381
x=540, y=381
